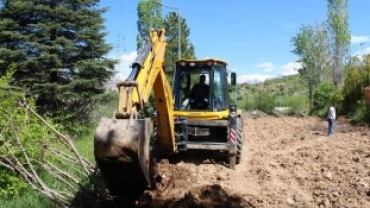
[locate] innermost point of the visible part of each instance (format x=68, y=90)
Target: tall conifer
x=59, y=52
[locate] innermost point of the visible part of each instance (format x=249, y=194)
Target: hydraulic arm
x=121, y=145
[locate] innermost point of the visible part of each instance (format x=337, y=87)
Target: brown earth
x=287, y=162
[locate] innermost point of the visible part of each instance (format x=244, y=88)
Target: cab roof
x=212, y=60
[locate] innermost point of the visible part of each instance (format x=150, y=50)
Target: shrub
x=298, y=103
x=323, y=98
x=357, y=78
x=33, y=153
x=265, y=101
x=361, y=114
x=17, y=126
x=250, y=103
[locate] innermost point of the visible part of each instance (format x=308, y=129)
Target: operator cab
x=200, y=85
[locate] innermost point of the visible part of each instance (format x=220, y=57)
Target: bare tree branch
x=39, y=181
x=63, y=137
x=70, y=158
x=65, y=165
x=6, y=166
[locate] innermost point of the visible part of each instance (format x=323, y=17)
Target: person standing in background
x=331, y=117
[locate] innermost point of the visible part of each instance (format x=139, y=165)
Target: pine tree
x=58, y=48
x=150, y=16
x=187, y=49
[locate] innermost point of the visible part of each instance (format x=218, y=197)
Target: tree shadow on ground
x=94, y=194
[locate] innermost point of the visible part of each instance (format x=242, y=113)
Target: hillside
x=287, y=91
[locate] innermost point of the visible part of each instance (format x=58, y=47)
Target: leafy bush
x=17, y=125
x=250, y=103
x=265, y=101
x=34, y=153
x=323, y=98
x=357, y=78
x=361, y=114
x=10, y=184
x=298, y=103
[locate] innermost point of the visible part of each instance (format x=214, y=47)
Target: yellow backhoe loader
x=197, y=113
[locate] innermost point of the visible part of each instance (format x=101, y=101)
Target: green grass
x=28, y=198
x=85, y=145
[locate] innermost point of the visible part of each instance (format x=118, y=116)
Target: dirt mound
x=287, y=162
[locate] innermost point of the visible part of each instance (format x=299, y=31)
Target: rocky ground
x=287, y=162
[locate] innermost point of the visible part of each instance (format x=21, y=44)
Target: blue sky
x=253, y=36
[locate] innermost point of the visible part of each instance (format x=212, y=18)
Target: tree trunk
x=310, y=97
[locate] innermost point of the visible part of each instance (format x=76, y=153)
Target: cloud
x=290, y=68
x=254, y=78
x=362, y=52
x=359, y=39
x=123, y=67
x=266, y=66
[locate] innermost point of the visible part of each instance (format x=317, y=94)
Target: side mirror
x=233, y=79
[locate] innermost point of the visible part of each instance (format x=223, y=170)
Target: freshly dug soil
x=287, y=162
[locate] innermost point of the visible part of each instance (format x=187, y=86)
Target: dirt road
x=287, y=162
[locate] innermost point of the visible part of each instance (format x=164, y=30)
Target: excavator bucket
x=121, y=148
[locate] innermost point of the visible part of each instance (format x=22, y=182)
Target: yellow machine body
x=121, y=144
